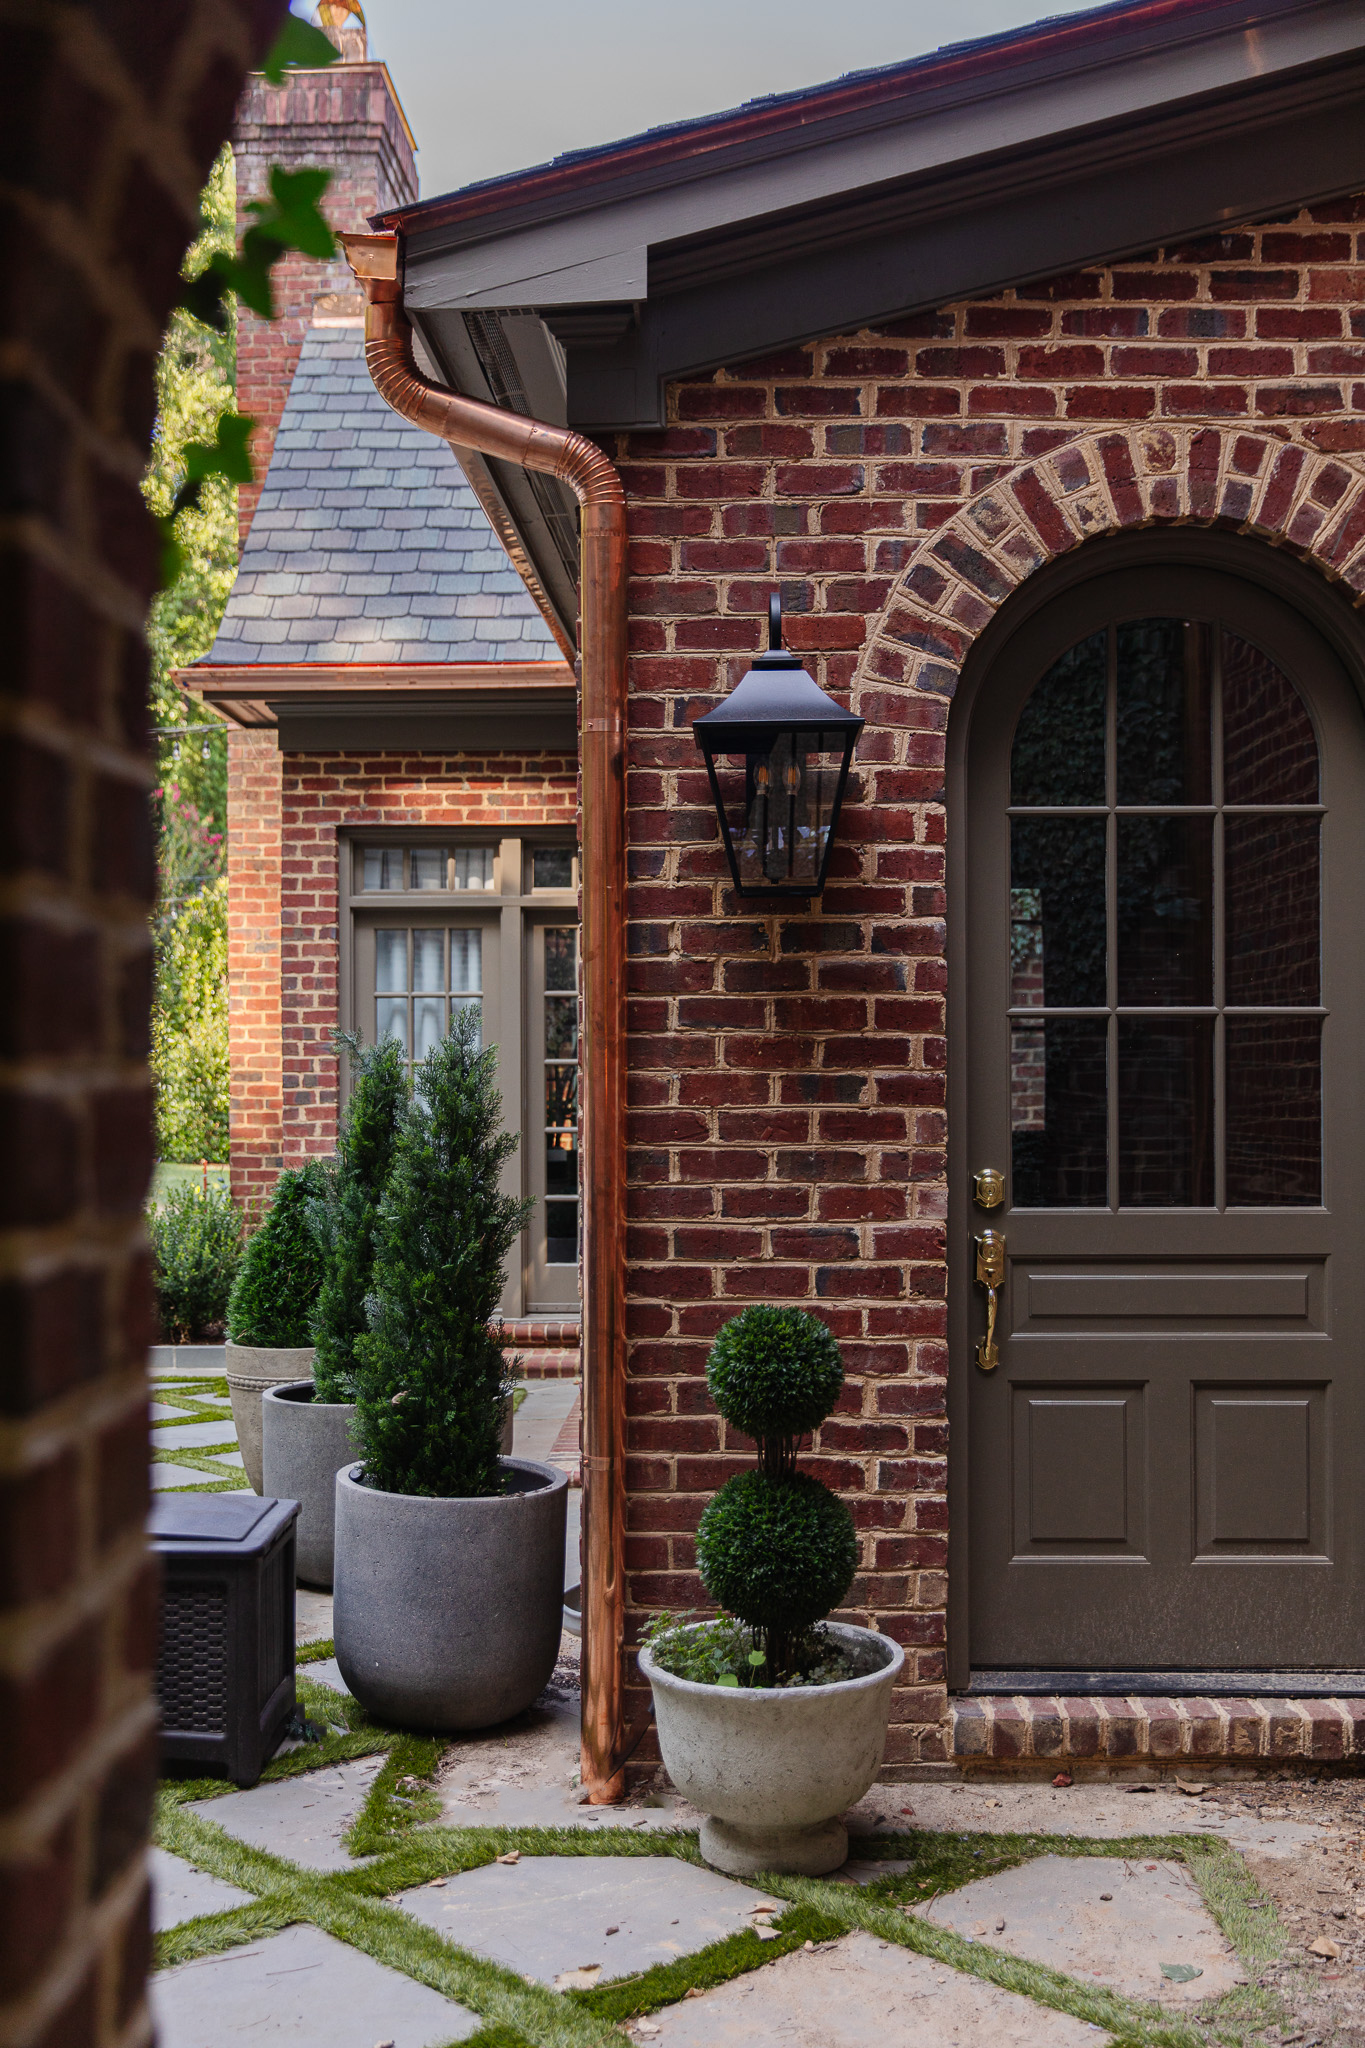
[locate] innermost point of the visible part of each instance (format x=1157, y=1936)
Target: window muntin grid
x=423, y=976
x=1164, y=971
x=396, y=870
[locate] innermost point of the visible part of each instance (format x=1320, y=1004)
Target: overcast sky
x=508, y=83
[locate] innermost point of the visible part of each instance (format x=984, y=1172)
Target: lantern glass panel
x=787, y=811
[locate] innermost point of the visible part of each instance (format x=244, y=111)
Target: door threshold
x=1293, y=1685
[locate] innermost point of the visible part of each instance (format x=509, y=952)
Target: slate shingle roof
x=368, y=544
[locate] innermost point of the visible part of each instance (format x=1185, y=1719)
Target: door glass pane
x=429, y=1024
x=428, y=960
x=1058, y=753
x=391, y=1019
x=1166, y=1112
x=1273, y=904
x=1162, y=724
x=1274, y=1094
x=561, y=1095
x=561, y=958
x=390, y=960
x=1165, y=916
x=1270, y=754
x=1057, y=911
x=466, y=962
x=1058, y=1113
x=561, y=1027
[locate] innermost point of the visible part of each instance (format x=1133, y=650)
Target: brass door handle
x=990, y=1274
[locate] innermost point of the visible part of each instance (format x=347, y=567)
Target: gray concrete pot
x=304, y=1444
x=250, y=1370
x=774, y=1770
x=446, y=1613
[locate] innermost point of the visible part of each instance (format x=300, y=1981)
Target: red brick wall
x=348, y=120
x=254, y=1124
x=322, y=795
x=114, y=119
x=787, y=1070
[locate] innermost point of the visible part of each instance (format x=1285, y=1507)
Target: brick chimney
x=348, y=120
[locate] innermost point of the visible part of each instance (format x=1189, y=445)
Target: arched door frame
x=1302, y=587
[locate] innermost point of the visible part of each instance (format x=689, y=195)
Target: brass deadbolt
x=989, y=1187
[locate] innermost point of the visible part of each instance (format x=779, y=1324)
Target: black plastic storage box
x=225, y=1671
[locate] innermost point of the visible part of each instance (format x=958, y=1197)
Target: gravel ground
x=1318, y=1890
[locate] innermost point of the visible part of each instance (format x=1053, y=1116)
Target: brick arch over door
x=959, y=576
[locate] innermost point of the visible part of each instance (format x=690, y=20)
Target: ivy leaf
x=298, y=42
x=728, y=1678
x=228, y=457
x=296, y=221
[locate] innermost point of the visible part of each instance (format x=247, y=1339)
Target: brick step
x=1016, y=1729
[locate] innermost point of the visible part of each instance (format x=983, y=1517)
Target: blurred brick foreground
x=118, y=111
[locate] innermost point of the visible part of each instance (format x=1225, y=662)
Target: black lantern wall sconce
x=796, y=743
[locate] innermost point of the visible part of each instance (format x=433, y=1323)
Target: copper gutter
x=506, y=436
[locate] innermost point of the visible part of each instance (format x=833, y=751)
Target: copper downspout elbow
x=465, y=423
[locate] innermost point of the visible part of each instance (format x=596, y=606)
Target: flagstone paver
x=302, y=1818
x=996, y=1805
x=180, y=1892
x=549, y=1914
x=164, y=1476
x=303, y=1988
x=1105, y=1919
x=858, y=1992
x=171, y=1436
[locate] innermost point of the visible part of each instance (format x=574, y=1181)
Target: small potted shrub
x=449, y=1558
x=270, y=1311
x=771, y=1719
x=306, y=1425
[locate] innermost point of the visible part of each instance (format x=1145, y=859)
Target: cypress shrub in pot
x=270, y=1309
x=772, y=1720
x=449, y=1558
x=306, y=1425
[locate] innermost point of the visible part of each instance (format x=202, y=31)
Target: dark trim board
x=1260, y=1685
x=799, y=279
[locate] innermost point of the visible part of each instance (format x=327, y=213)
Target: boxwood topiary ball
x=775, y=1371
x=779, y=1553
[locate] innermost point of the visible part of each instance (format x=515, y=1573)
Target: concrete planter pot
x=446, y=1613
x=304, y=1444
x=772, y=1770
x=249, y=1372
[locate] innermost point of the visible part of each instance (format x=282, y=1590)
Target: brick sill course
x=1113, y=1736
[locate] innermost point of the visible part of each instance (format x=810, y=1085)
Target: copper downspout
x=465, y=423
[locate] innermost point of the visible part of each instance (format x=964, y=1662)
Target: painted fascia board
x=589, y=255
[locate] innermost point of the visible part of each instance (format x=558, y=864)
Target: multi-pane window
x=1165, y=989
x=440, y=923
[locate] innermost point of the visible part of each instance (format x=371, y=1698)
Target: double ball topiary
x=776, y=1547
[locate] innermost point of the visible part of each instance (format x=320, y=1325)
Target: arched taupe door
x=1165, y=893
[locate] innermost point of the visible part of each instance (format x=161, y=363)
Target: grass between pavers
x=393, y=1830
x=522, y=2016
